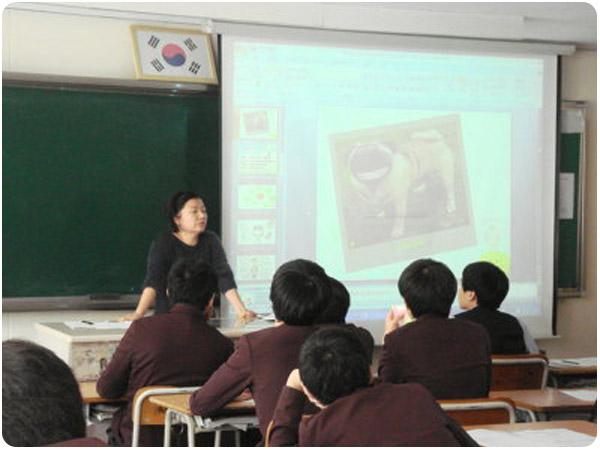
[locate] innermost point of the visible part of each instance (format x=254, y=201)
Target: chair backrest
x=146, y=413
x=480, y=411
x=519, y=372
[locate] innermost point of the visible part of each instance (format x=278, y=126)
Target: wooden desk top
x=180, y=403
x=90, y=394
x=580, y=426
x=545, y=400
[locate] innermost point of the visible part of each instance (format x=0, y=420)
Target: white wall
x=80, y=46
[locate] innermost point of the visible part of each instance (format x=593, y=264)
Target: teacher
x=188, y=238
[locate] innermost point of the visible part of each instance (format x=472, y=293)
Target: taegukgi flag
x=171, y=53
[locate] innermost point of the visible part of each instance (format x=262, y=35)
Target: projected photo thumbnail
x=259, y=123
x=401, y=183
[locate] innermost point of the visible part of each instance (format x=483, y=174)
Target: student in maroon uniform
x=335, y=314
x=334, y=375
x=41, y=402
x=450, y=357
x=263, y=359
x=178, y=348
x=483, y=289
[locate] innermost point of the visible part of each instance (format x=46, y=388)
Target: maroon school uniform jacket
x=178, y=348
x=381, y=415
x=80, y=442
x=262, y=361
x=450, y=357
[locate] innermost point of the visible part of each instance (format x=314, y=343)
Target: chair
x=146, y=413
x=511, y=372
x=480, y=411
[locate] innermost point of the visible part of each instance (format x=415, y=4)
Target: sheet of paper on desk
x=105, y=325
x=558, y=437
x=588, y=395
x=573, y=362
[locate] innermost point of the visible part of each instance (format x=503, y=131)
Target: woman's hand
x=246, y=314
x=131, y=316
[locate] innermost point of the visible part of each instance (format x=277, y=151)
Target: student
x=263, y=359
x=41, y=401
x=335, y=313
x=450, y=357
x=334, y=375
x=178, y=348
x=188, y=238
x=484, y=287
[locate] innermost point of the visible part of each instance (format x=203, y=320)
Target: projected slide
x=367, y=159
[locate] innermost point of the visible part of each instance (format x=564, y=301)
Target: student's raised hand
x=393, y=320
x=294, y=381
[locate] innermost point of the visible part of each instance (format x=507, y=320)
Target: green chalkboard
x=85, y=178
x=569, y=229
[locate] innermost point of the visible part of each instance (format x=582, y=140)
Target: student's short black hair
x=489, y=283
x=299, y=292
x=192, y=281
x=176, y=204
x=41, y=402
x=428, y=287
x=333, y=363
x=337, y=305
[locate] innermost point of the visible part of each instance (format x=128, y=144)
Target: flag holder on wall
x=172, y=54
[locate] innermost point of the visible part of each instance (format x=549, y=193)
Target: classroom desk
x=580, y=426
x=90, y=397
x=236, y=415
x=87, y=351
x=572, y=372
x=540, y=403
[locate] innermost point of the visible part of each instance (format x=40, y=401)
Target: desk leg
x=167, y=435
x=238, y=438
x=217, y=438
x=191, y=428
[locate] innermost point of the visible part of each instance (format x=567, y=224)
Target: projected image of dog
x=384, y=175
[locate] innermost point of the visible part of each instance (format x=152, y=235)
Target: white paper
x=105, y=325
x=588, y=395
x=558, y=437
x=566, y=196
x=573, y=362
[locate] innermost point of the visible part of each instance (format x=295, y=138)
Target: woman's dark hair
x=176, y=204
x=337, y=305
x=192, y=281
x=299, y=292
x=41, y=401
x=333, y=363
x=428, y=287
x=489, y=283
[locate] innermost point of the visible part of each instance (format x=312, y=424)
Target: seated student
x=335, y=313
x=263, y=359
x=41, y=401
x=178, y=348
x=334, y=375
x=450, y=357
x=484, y=287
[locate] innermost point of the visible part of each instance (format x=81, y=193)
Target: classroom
x=363, y=137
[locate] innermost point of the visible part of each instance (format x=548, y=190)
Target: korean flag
x=175, y=54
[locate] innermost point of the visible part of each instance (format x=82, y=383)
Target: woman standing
x=188, y=238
